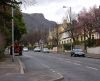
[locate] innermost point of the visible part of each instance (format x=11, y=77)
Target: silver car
x=37, y=49
x=46, y=50
x=25, y=49
x=77, y=52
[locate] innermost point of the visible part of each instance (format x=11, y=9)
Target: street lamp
x=12, y=10
x=13, y=55
x=70, y=20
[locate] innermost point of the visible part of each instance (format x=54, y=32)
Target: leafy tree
x=67, y=46
x=19, y=24
x=90, y=22
x=5, y=21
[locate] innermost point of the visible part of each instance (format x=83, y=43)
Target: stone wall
x=93, y=50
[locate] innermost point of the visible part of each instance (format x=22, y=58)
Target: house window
x=64, y=42
x=92, y=36
x=81, y=38
x=77, y=38
x=70, y=40
x=58, y=42
x=67, y=41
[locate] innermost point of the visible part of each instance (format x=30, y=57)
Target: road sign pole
x=13, y=55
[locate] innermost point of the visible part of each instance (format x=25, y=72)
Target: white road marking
x=61, y=76
x=92, y=68
x=54, y=71
x=22, y=67
x=68, y=61
x=77, y=64
x=78, y=61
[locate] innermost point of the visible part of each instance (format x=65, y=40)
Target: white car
x=37, y=49
x=7, y=51
x=25, y=49
x=46, y=50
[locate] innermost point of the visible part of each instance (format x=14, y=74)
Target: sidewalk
x=95, y=56
x=11, y=71
x=7, y=66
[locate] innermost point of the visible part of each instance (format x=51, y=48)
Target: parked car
x=7, y=50
x=37, y=49
x=46, y=50
x=17, y=49
x=25, y=49
x=77, y=52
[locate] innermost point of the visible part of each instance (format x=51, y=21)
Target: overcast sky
x=53, y=9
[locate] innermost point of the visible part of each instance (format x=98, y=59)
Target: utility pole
x=70, y=18
x=13, y=55
x=57, y=37
x=12, y=12
x=85, y=48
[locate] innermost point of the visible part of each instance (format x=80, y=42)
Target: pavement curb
x=21, y=66
x=94, y=56
x=60, y=78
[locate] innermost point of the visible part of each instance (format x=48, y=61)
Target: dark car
x=77, y=52
x=17, y=50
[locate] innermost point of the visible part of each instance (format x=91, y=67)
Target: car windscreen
x=77, y=50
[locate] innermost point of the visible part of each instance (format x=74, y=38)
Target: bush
x=67, y=46
x=90, y=42
x=50, y=46
x=1, y=53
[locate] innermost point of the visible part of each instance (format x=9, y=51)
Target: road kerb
x=22, y=67
x=60, y=78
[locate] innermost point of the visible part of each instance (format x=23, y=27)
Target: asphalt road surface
x=72, y=68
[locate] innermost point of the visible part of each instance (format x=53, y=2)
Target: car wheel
x=20, y=53
x=75, y=55
x=83, y=55
x=71, y=54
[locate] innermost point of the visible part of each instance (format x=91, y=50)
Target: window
x=81, y=38
x=92, y=36
x=64, y=42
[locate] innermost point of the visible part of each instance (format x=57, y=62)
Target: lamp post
x=13, y=55
x=57, y=34
x=70, y=16
x=12, y=12
x=70, y=20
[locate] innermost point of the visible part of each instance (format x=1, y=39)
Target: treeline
x=6, y=22
x=87, y=23
x=85, y=28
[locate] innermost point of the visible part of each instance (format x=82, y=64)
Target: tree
x=90, y=22
x=71, y=25
x=35, y=36
x=5, y=21
x=19, y=24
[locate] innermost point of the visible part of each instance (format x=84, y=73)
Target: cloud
x=53, y=9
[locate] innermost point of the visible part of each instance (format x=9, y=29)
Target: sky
x=54, y=10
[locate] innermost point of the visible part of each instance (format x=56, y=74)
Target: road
x=72, y=68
